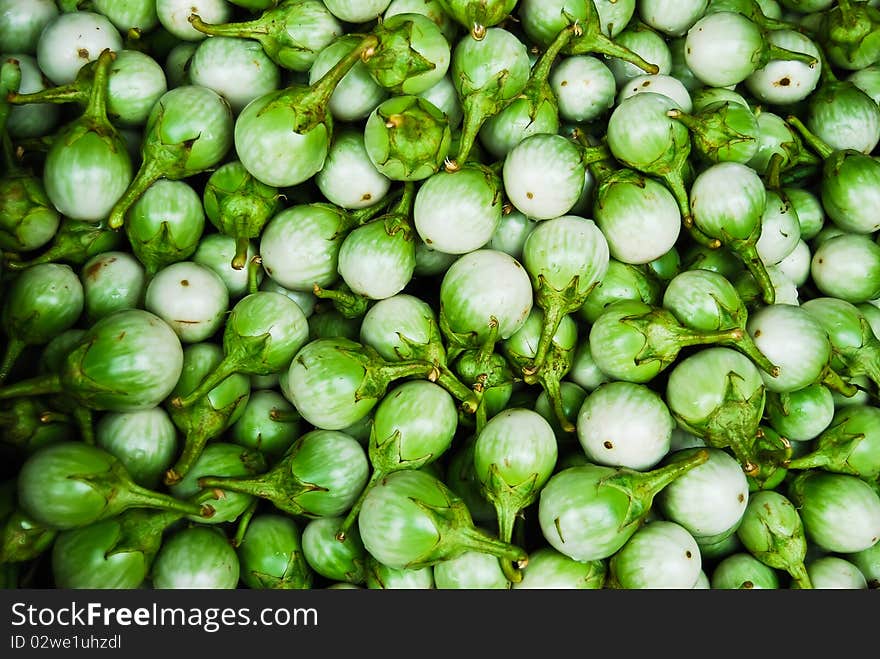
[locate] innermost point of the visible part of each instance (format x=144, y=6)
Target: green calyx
x=122, y=494
x=850, y=34
x=605, y=170
x=537, y=101
x=745, y=343
x=10, y=82
x=395, y=60
x=722, y=131
x=142, y=530
x=271, y=28
x=75, y=242
x=457, y=534
x=665, y=336
x=28, y=220
x=772, y=453
x=477, y=108
x=772, y=531
x=483, y=96
x=483, y=371
x=641, y=487
x=557, y=365
x=160, y=160
x=24, y=539
x=206, y=419
x=94, y=119
x=728, y=313
x=843, y=448
x=477, y=15
x=408, y=138
x=823, y=149
x=555, y=304
x=280, y=485
x=385, y=454
x=157, y=251
x=853, y=360
x=592, y=40
x=508, y=501
x=399, y=216
x=239, y=206
x=79, y=91
x=379, y=373
x=385, y=458
x=166, y=154
x=431, y=350
x=260, y=549
x=243, y=354
x=88, y=139
x=25, y=420
x=75, y=381
x=348, y=303
x=309, y=103
x=751, y=9
x=771, y=52
x=848, y=22
x=733, y=424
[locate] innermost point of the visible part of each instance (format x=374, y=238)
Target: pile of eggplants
x=440, y=294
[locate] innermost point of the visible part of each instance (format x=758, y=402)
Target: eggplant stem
x=149, y=172
x=553, y=315
x=554, y=393
x=245, y=29
x=748, y=254
x=244, y=522
x=36, y=386
x=136, y=496
x=448, y=380
x=351, y=517
x=818, y=145
x=223, y=370
x=655, y=480
x=239, y=260
x=13, y=351
x=833, y=380
x=799, y=573
x=593, y=40
x=254, y=267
